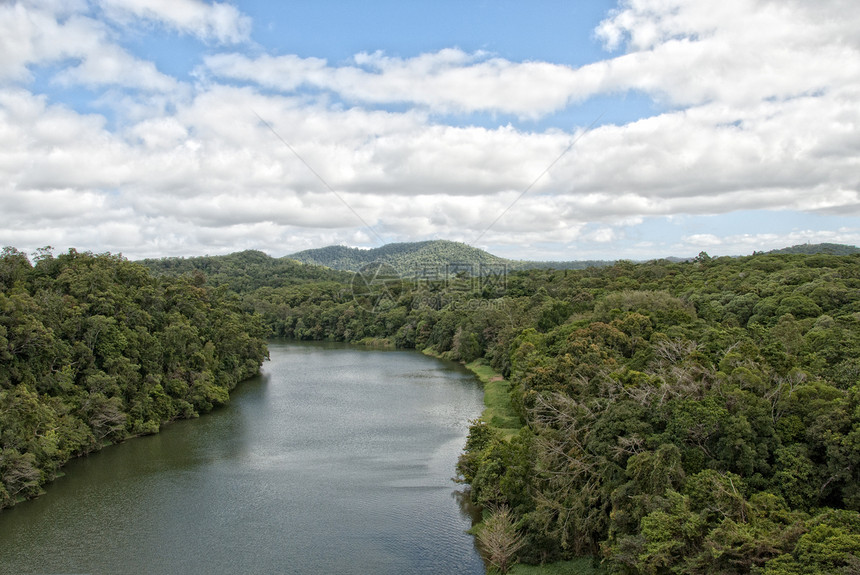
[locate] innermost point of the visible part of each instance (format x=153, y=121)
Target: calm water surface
x=335, y=460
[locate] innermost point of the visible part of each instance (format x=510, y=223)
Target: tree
x=93, y=348
x=499, y=539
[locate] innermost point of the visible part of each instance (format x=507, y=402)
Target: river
x=335, y=460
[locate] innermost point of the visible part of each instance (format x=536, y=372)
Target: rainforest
x=94, y=350
x=698, y=416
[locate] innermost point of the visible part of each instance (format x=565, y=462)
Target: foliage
x=677, y=417
x=578, y=566
x=832, y=249
x=433, y=256
x=244, y=271
x=499, y=540
x=407, y=258
x=94, y=349
x=696, y=416
x=498, y=410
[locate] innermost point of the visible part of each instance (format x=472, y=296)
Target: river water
x=337, y=460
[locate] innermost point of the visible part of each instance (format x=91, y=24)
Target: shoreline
x=499, y=414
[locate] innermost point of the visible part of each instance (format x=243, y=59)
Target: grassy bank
x=499, y=414
x=498, y=411
x=581, y=566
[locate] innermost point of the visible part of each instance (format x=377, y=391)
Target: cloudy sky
x=538, y=130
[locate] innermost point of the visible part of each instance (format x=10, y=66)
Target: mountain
x=406, y=258
x=409, y=258
x=334, y=263
x=809, y=249
x=241, y=270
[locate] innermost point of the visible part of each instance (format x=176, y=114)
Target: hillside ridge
x=406, y=258
x=823, y=248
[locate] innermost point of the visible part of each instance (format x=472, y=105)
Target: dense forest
x=411, y=258
x=243, y=272
x=809, y=249
x=676, y=417
x=404, y=257
x=673, y=417
x=95, y=349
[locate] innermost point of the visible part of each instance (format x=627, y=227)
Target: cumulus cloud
x=216, y=21
x=736, y=53
x=758, y=113
x=448, y=81
x=734, y=244
x=45, y=33
x=110, y=64
x=683, y=52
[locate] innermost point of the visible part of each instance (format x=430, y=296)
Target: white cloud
x=33, y=34
x=446, y=81
x=704, y=240
x=683, y=52
x=160, y=133
x=110, y=64
x=217, y=21
x=737, y=53
x=745, y=244
x=762, y=115
x=50, y=147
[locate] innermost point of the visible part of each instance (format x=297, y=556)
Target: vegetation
x=415, y=258
x=663, y=417
x=499, y=539
x=93, y=349
x=410, y=258
x=579, y=566
x=678, y=417
x=405, y=258
x=810, y=249
x=244, y=271
x=499, y=412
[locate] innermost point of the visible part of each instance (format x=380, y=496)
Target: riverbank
x=498, y=411
x=500, y=415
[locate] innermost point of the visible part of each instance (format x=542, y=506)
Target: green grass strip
x=500, y=414
x=581, y=566
x=498, y=411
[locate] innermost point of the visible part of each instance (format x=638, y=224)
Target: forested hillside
x=832, y=249
x=405, y=258
x=410, y=258
x=695, y=417
x=94, y=349
x=413, y=258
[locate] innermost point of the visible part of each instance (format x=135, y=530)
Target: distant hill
x=242, y=270
x=406, y=258
x=809, y=249
x=409, y=257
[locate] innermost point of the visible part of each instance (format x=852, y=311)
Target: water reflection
x=337, y=460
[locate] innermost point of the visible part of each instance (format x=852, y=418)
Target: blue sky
x=544, y=130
